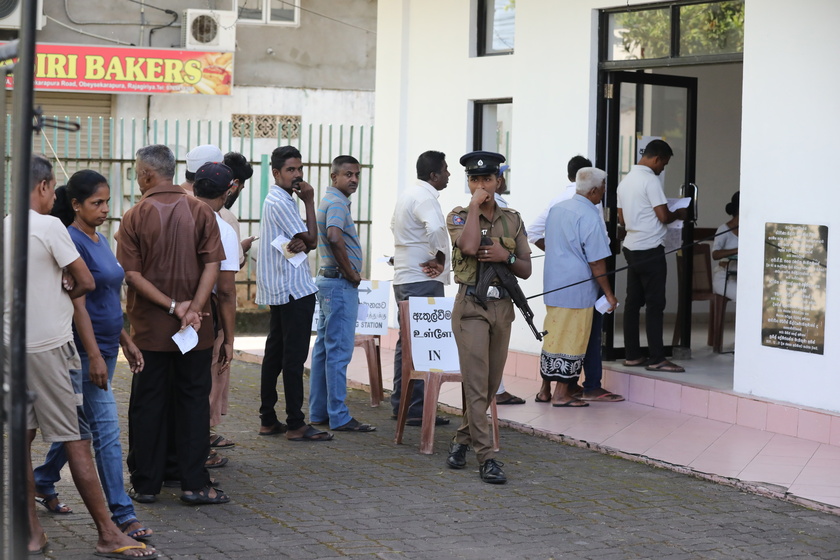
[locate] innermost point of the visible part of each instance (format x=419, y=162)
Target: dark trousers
x=286, y=349
x=645, y=287
x=185, y=380
x=592, y=360
x=402, y=292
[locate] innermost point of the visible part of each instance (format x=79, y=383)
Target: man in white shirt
x=643, y=212
x=421, y=261
x=536, y=229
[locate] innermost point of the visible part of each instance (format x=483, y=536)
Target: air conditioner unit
x=10, y=14
x=209, y=30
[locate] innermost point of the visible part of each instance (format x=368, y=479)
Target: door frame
x=606, y=157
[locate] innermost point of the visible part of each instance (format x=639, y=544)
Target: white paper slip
x=281, y=244
x=186, y=339
x=675, y=204
x=362, y=315
x=602, y=305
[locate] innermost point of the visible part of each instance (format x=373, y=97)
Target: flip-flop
x=312, y=434
x=604, y=397
x=355, y=426
x=666, y=366
x=220, y=442
x=118, y=552
x=135, y=533
x=221, y=462
x=574, y=403
x=641, y=362
x=538, y=399
x=512, y=399
x=45, y=501
x=277, y=428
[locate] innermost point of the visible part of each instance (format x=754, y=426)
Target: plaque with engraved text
x=793, y=308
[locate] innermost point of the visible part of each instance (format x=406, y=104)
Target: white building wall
x=789, y=144
x=425, y=79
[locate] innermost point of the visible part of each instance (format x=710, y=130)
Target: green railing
x=108, y=146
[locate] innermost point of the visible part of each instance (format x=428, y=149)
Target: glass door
x=636, y=108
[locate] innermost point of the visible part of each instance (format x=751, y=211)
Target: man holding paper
x=575, y=250
x=643, y=212
x=170, y=247
x=284, y=283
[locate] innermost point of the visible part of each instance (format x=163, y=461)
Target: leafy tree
x=711, y=28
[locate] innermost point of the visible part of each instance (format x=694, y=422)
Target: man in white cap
x=198, y=156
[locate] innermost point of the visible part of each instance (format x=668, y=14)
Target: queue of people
x=179, y=249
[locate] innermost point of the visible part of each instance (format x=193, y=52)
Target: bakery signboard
x=130, y=70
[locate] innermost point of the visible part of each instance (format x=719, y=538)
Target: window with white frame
x=268, y=12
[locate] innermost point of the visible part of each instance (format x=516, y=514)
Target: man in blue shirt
x=290, y=292
x=338, y=298
x=575, y=249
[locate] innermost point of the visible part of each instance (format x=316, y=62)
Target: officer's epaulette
x=510, y=210
x=459, y=209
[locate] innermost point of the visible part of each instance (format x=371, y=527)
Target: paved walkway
x=361, y=496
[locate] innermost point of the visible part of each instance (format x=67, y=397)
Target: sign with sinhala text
x=432, y=342
x=130, y=70
x=374, y=299
x=794, y=303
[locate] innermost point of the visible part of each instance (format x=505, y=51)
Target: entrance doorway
x=655, y=82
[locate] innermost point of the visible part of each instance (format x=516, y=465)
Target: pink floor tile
x=667, y=395
x=834, y=434
x=528, y=366
x=723, y=407
x=782, y=419
x=788, y=447
x=740, y=444
x=616, y=382
x=642, y=390
x=752, y=414
x=771, y=472
x=828, y=477
x=646, y=432
x=694, y=401
x=814, y=426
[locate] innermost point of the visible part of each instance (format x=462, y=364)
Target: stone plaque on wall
x=795, y=257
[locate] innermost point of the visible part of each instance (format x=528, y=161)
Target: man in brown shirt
x=170, y=248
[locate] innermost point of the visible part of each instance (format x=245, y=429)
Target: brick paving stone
x=361, y=496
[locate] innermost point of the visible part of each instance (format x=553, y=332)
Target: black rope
x=623, y=268
x=687, y=245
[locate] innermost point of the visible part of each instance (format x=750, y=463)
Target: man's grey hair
x=159, y=158
x=40, y=169
x=589, y=178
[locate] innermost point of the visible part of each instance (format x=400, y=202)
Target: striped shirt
x=334, y=211
x=277, y=278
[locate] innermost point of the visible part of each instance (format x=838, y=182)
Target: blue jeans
x=101, y=411
x=339, y=307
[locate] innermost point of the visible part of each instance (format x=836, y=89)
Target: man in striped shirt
x=290, y=292
x=338, y=298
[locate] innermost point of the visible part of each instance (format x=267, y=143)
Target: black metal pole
x=21, y=188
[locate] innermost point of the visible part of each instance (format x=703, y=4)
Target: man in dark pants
x=643, y=212
x=170, y=248
x=421, y=266
x=290, y=293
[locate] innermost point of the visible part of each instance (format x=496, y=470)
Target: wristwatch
x=511, y=258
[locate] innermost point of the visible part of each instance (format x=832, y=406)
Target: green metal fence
x=108, y=146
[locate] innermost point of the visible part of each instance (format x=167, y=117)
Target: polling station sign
x=372, y=315
x=432, y=342
x=142, y=70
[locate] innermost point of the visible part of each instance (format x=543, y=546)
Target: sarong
x=565, y=344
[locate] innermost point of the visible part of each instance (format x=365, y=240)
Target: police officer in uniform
x=483, y=233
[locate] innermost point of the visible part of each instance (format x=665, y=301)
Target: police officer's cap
x=482, y=163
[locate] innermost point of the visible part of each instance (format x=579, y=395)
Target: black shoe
x=457, y=455
x=439, y=421
x=142, y=498
x=491, y=472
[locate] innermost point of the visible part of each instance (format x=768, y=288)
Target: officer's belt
x=470, y=291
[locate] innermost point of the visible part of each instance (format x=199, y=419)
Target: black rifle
x=489, y=270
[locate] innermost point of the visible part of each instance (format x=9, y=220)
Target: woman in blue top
x=82, y=205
